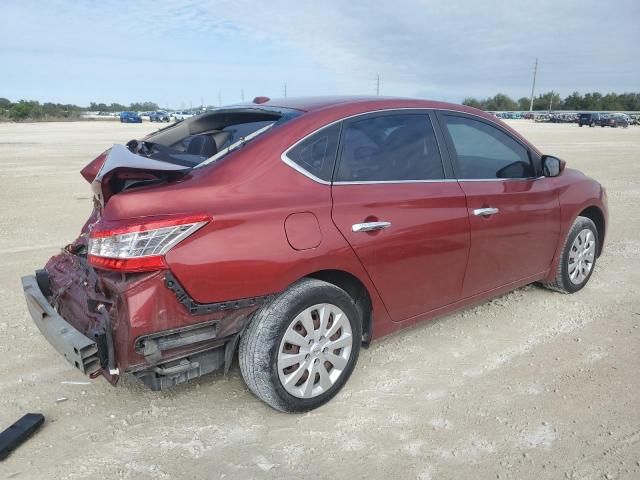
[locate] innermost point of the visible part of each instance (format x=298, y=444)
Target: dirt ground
x=533, y=384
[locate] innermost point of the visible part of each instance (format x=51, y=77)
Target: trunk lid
x=120, y=169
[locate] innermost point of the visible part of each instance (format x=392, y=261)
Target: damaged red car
x=293, y=232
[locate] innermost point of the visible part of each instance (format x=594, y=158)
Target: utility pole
x=284, y=89
x=551, y=100
x=242, y=94
x=378, y=85
x=533, y=85
x=201, y=102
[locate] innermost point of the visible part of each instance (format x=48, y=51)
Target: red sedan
x=295, y=231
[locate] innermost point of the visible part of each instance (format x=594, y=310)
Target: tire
x=263, y=346
x=563, y=281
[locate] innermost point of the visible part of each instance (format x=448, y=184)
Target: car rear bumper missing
x=79, y=350
x=142, y=324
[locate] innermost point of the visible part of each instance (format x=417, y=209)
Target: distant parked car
x=130, y=117
x=590, y=119
x=159, y=116
x=562, y=118
x=615, y=120
x=179, y=116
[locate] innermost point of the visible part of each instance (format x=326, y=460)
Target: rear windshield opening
x=207, y=137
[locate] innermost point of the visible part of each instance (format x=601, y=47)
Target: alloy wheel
x=581, y=256
x=314, y=351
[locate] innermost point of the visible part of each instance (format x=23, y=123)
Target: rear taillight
x=140, y=247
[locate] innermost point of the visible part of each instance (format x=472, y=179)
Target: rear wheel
x=578, y=257
x=299, y=350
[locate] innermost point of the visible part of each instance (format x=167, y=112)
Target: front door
x=514, y=215
x=406, y=221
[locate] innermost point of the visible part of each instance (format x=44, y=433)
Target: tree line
x=117, y=107
x=33, y=110
x=552, y=101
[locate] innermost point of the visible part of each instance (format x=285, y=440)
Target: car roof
x=310, y=104
x=329, y=109
x=343, y=106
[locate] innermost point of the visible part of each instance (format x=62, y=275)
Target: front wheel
x=300, y=349
x=578, y=257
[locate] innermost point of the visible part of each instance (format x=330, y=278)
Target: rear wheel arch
x=355, y=288
x=357, y=291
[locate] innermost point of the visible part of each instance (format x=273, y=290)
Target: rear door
x=396, y=203
x=514, y=214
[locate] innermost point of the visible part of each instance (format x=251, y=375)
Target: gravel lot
x=533, y=384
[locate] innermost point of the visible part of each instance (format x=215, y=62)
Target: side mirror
x=552, y=166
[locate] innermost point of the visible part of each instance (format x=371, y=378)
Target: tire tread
x=262, y=333
x=560, y=283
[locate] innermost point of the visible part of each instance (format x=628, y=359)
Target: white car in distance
x=182, y=115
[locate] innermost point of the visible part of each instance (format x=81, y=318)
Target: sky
x=181, y=53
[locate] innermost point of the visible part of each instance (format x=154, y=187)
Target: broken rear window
x=209, y=136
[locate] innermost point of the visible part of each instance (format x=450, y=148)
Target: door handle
x=370, y=226
x=485, y=211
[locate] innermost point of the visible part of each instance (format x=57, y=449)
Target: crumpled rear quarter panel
x=138, y=304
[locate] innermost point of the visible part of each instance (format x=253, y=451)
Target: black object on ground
x=17, y=433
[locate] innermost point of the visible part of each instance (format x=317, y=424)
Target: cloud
x=446, y=50
x=459, y=46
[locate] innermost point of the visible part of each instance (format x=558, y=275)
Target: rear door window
x=388, y=148
x=486, y=152
x=316, y=154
